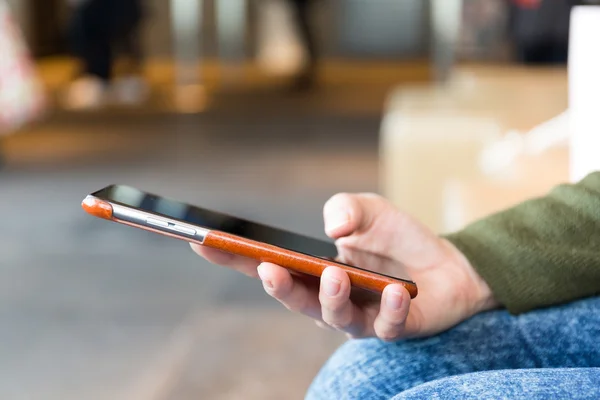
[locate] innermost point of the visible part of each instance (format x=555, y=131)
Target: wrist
x=481, y=297
x=485, y=299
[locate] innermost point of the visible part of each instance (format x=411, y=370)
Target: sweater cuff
x=510, y=286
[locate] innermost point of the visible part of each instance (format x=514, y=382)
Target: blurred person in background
x=101, y=30
x=302, y=14
x=22, y=94
x=508, y=307
x=540, y=30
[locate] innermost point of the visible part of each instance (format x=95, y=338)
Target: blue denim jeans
x=550, y=353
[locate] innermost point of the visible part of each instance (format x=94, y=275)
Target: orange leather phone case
x=264, y=252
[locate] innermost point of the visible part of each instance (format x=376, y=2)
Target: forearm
x=542, y=252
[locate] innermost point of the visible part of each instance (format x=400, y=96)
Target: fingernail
x=394, y=300
x=336, y=220
x=331, y=286
x=263, y=278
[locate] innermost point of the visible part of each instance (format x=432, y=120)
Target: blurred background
x=264, y=109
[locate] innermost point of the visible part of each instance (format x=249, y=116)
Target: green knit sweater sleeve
x=542, y=252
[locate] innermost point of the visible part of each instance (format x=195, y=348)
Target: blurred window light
x=384, y=27
x=231, y=25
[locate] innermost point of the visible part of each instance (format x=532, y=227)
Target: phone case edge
x=299, y=262
x=98, y=208
x=261, y=252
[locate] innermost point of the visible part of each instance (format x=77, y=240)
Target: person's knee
x=373, y=369
x=355, y=371
x=533, y=384
x=468, y=386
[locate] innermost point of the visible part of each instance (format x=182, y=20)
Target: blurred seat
x=434, y=140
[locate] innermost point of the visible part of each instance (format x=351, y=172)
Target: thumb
x=346, y=214
x=369, y=222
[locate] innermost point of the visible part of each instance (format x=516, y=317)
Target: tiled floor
x=93, y=310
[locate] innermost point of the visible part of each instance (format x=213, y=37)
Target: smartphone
x=298, y=253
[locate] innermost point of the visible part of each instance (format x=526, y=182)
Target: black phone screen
x=193, y=215
x=173, y=209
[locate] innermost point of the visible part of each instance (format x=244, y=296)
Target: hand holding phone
x=370, y=231
x=377, y=254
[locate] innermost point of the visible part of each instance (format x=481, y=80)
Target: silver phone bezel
x=138, y=217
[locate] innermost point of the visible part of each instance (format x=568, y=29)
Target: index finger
x=241, y=264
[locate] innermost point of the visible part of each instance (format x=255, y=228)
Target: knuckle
x=281, y=292
x=390, y=333
x=277, y=292
x=334, y=305
x=296, y=305
x=388, y=337
x=340, y=326
x=340, y=323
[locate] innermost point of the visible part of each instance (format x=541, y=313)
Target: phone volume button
x=183, y=229
x=157, y=222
